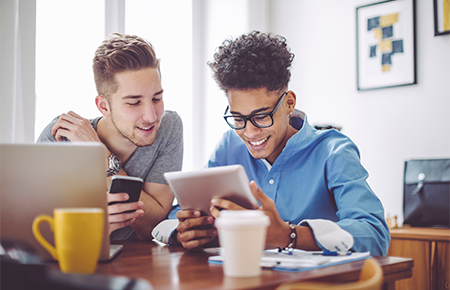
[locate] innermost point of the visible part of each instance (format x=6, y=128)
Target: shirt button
x=271, y=181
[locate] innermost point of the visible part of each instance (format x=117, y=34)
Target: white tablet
x=195, y=189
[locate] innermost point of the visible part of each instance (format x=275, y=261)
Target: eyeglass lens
x=263, y=120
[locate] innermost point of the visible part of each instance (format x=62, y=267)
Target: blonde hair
x=118, y=53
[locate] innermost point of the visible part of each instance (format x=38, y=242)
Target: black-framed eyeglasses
x=260, y=120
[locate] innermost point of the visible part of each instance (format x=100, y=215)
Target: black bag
x=426, y=192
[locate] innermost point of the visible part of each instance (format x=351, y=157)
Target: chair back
x=370, y=278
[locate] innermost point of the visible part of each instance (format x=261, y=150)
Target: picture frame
x=386, y=45
x=441, y=17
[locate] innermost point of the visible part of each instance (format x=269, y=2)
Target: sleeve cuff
x=329, y=235
x=164, y=230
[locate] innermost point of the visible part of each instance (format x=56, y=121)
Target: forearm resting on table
x=154, y=212
x=280, y=238
x=305, y=239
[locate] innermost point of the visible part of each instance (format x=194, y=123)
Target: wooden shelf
x=430, y=249
x=427, y=234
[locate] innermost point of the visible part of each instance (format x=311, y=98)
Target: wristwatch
x=114, y=165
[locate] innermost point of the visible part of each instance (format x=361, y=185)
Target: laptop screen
x=36, y=178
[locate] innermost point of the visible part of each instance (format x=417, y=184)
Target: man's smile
x=145, y=128
x=148, y=130
x=259, y=142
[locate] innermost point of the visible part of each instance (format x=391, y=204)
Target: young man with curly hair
x=310, y=183
x=139, y=134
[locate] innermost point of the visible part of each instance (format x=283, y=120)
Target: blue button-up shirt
x=318, y=175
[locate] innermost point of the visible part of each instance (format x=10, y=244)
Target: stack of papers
x=298, y=260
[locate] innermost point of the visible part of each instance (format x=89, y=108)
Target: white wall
x=389, y=125
x=223, y=19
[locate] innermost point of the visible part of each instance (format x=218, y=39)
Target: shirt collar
x=268, y=165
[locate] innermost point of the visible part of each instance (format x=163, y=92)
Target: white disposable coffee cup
x=242, y=234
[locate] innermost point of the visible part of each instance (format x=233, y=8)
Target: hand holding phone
x=129, y=184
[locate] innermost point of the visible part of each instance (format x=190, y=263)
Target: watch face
x=116, y=162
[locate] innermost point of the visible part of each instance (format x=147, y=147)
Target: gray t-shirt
x=148, y=162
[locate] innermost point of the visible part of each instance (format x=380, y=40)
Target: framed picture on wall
x=441, y=17
x=385, y=45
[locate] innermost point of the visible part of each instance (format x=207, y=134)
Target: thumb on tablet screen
x=259, y=194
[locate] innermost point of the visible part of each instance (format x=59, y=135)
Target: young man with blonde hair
x=143, y=139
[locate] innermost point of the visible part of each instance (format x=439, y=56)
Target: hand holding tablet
x=195, y=189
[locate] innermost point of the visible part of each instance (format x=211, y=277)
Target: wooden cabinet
x=430, y=249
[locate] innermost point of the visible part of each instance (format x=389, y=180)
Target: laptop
x=36, y=178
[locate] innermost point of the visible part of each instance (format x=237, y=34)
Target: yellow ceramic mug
x=78, y=236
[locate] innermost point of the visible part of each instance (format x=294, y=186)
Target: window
x=67, y=35
x=69, y=32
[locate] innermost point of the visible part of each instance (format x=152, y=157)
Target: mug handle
x=37, y=233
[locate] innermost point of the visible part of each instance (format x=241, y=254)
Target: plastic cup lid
x=242, y=218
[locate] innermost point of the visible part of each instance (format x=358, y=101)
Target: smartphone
x=129, y=184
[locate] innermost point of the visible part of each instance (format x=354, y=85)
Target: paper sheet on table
x=299, y=260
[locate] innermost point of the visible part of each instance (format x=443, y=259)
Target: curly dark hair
x=252, y=61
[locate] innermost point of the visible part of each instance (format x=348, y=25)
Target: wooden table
x=172, y=267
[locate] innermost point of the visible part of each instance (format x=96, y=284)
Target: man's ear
x=291, y=101
x=103, y=105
